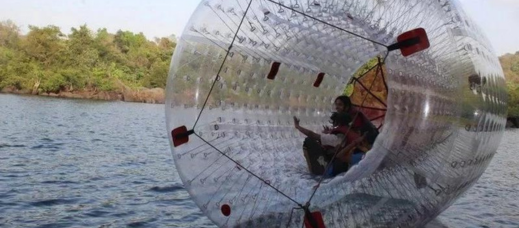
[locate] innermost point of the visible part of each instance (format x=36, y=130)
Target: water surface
x=78, y=163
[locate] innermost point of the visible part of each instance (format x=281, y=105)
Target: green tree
x=82, y=58
x=44, y=45
x=510, y=64
x=9, y=35
x=158, y=75
x=513, y=99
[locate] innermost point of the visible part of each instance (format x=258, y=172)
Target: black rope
x=370, y=93
x=326, y=23
x=250, y=172
x=338, y=148
x=306, y=207
x=291, y=213
x=365, y=73
x=379, y=69
x=223, y=63
x=207, y=99
x=378, y=117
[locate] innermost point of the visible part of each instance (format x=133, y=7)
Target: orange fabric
x=373, y=102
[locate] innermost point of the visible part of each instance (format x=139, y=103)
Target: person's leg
x=315, y=156
x=339, y=167
x=371, y=136
x=356, y=157
x=345, y=155
x=347, y=160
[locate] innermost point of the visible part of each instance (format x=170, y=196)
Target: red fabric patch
x=274, y=70
x=318, y=217
x=226, y=210
x=177, y=140
x=319, y=79
x=420, y=46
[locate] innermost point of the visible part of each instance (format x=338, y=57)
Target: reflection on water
x=85, y=163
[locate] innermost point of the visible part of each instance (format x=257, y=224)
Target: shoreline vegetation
x=124, y=66
x=84, y=64
x=150, y=96
x=126, y=94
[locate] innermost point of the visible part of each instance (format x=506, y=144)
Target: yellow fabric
x=360, y=94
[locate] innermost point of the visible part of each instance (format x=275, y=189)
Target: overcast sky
x=159, y=18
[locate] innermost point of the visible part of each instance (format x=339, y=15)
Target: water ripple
x=52, y=202
x=4, y=145
x=166, y=189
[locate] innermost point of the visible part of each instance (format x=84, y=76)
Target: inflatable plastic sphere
x=243, y=68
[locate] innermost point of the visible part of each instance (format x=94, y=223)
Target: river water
x=78, y=163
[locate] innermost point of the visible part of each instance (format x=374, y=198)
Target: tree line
x=47, y=60
x=510, y=64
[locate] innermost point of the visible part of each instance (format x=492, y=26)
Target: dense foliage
x=510, y=64
x=47, y=60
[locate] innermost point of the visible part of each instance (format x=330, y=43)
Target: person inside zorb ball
x=421, y=112
x=341, y=146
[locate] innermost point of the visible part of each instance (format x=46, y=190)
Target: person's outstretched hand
x=296, y=122
x=327, y=129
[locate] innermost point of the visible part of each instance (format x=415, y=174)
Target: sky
x=159, y=18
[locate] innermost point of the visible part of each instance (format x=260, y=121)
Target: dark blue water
x=76, y=163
